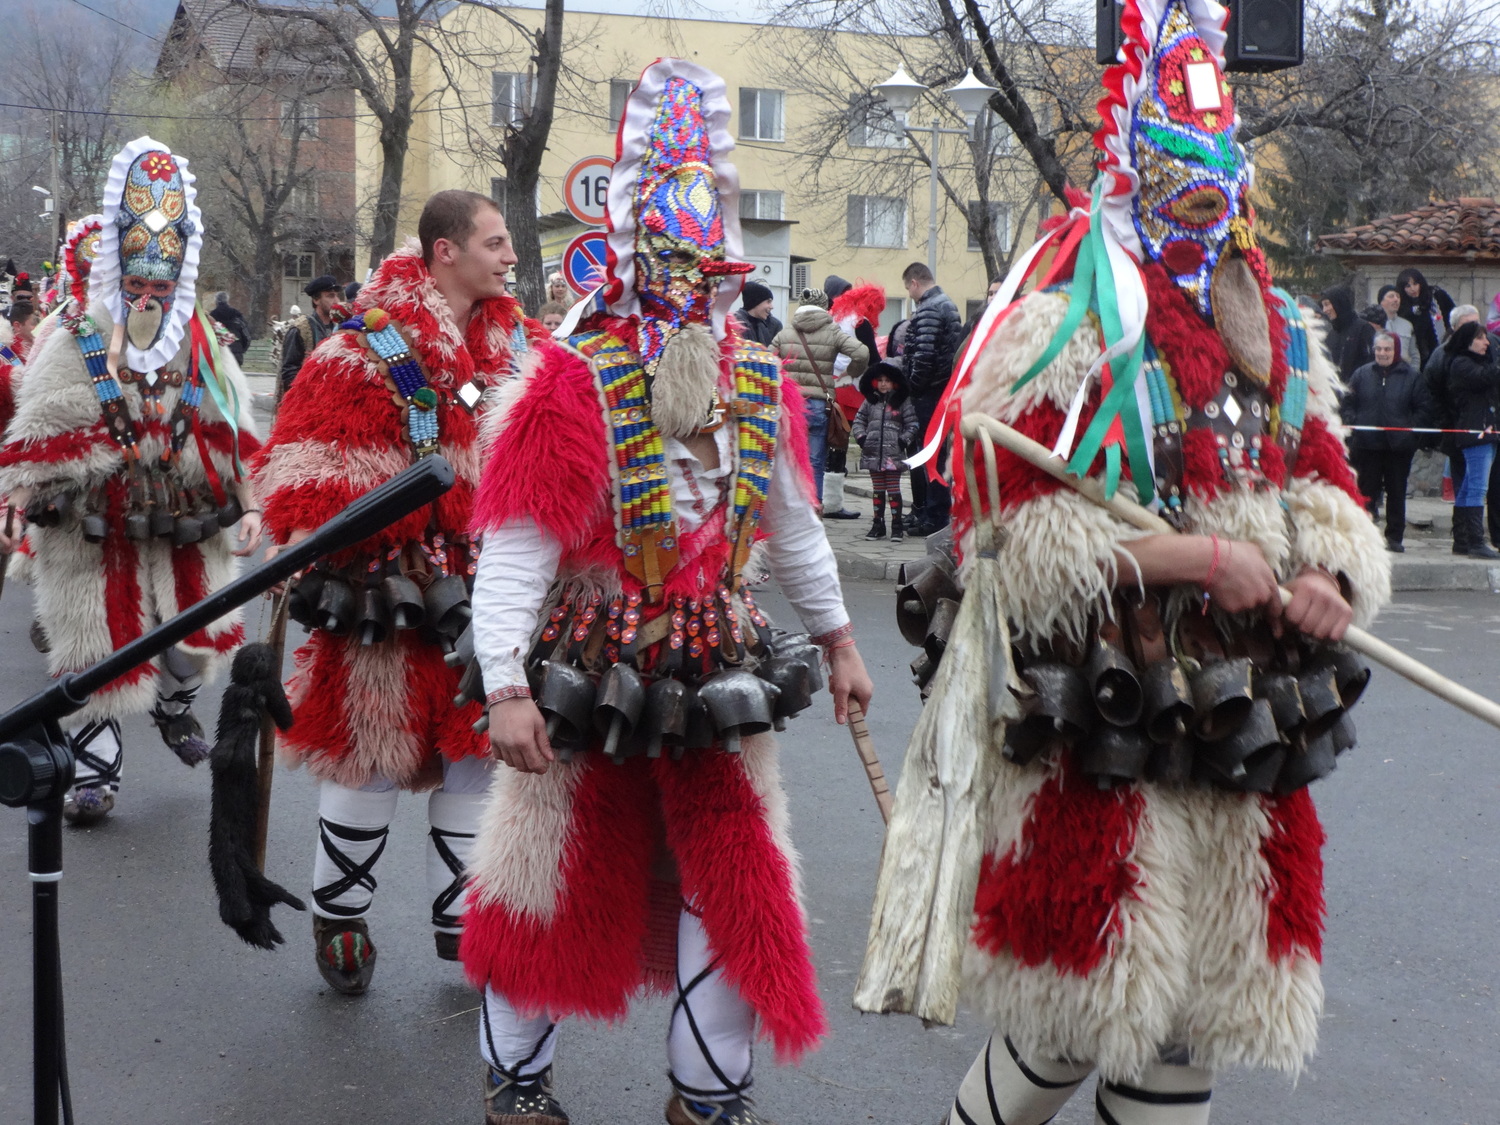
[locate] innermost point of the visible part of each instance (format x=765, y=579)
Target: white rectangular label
x=1203, y=86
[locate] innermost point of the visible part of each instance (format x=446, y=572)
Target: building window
x=304, y=197
x=876, y=220
x=299, y=117
x=760, y=115
x=761, y=205
x=297, y=267
x=619, y=94
x=1000, y=216
x=510, y=98
x=801, y=279
x=992, y=134
x=871, y=125
x=499, y=191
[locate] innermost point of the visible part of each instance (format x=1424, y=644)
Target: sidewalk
x=1428, y=564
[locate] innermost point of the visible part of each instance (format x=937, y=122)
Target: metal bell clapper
x=1222, y=697
x=923, y=583
x=374, y=617
x=1115, y=755
x=1168, y=701
x=408, y=611
x=665, y=720
x=446, y=603
x=740, y=704
x=1321, y=702
x=1060, y=706
x=793, y=679
x=617, y=708
x=470, y=685
x=336, y=608
x=462, y=653
x=566, y=701
x=302, y=600
x=1116, y=688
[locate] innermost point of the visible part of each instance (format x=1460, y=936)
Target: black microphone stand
x=36, y=758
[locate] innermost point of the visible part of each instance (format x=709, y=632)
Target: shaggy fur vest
x=341, y=431
x=1110, y=923
x=597, y=857
x=91, y=598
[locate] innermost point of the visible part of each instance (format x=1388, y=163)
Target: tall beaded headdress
x=148, y=251
x=80, y=248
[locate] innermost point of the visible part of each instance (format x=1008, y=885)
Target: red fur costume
x=383, y=709
x=574, y=890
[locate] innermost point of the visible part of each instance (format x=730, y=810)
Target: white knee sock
x=1003, y=1089
x=520, y=1046
x=1168, y=1094
x=96, y=746
x=712, y=1030
x=352, y=829
x=455, y=819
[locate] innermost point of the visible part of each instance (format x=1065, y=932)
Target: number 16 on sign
x=586, y=188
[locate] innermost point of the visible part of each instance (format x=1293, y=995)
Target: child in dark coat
x=885, y=427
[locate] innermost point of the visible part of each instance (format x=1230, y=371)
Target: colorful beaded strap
x=8, y=356
x=385, y=340
x=1293, y=409
x=645, y=528
x=112, y=405
x=757, y=405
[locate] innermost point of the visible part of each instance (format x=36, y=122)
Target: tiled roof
x=239, y=41
x=1453, y=229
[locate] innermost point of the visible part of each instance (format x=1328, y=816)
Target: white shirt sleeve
x=799, y=555
x=517, y=565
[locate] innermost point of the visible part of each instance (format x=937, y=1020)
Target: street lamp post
x=900, y=92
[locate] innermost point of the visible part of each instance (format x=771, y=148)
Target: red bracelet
x=1213, y=571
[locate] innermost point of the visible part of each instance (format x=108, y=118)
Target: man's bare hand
x=249, y=537
x=1243, y=580
x=518, y=736
x=275, y=549
x=1318, y=608
x=847, y=679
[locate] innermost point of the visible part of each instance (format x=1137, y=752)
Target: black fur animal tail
x=245, y=895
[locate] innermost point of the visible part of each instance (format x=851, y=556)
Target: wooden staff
x=1132, y=513
x=10, y=529
x=266, y=764
x=865, y=748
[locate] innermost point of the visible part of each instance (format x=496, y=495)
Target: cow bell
x=1321, y=702
x=186, y=530
x=665, y=721
x=1168, y=701
x=374, y=624
x=231, y=512
x=793, y=677
x=740, y=704
x=470, y=685
x=922, y=584
x=1304, y=765
x=617, y=708
x=1116, y=688
x=1351, y=673
x=566, y=701
x=302, y=601
x=1226, y=757
x=1342, y=734
x=336, y=607
x=1113, y=755
x=95, y=528
x=922, y=671
x=462, y=653
x=163, y=523
x=1280, y=690
x=944, y=614
x=1060, y=706
x=407, y=608
x=1221, y=697
x=137, y=527
x=446, y=603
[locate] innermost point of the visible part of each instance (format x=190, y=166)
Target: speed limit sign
x=586, y=187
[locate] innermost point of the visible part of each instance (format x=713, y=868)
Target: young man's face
x=482, y=264
x=323, y=303
x=762, y=310
x=1391, y=303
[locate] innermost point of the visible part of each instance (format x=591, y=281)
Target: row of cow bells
x=320, y=600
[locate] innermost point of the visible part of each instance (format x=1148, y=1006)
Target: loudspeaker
x=1107, y=35
x=1263, y=35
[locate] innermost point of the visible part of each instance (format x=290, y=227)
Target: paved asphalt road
x=173, y=1022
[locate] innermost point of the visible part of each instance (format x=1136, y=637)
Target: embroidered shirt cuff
x=836, y=638
x=513, y=691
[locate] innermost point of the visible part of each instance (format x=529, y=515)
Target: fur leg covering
x=1167, y=1094
x=1001, y=1088
x=245, y=895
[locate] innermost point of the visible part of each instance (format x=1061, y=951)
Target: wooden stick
x=266, y=765
x=1132, y=513
x=10, y=529
x=865, y=748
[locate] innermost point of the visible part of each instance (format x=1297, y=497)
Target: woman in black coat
x=1388, y=393
x=1350, y=337
x=1427, y=307
x=1474, y=392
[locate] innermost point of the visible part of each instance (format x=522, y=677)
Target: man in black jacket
x=754, y=314
x=932, y=340
x=234, y=320
x=307, y=332
x=1388, y=393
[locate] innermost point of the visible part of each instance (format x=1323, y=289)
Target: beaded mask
x=673, y=222
x=147, y=262
x=80, y=248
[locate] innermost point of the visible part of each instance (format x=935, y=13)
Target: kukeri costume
x=1150, y=901
x=372, y=696
x=129, y=432
x=655, y=854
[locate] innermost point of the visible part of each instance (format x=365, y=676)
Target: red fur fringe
x=1322, y=457
x=70, y=446
x=1294, y=852
x=1056, y=896
x=1192, y=350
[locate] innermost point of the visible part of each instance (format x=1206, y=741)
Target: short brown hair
x=552, y=307
x=916, y=272
x=450, y=215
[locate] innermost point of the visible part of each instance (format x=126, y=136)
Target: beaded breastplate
x=646, y=529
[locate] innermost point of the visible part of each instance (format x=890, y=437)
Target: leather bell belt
x=155, y=509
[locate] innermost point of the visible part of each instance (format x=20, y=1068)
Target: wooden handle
x=1359, y=640
x=865, y=748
